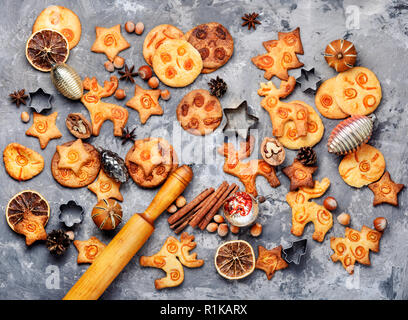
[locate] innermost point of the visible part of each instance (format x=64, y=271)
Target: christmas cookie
x=270, y=261
x=299, y=175
x=109, y=41
x=146, y=102
x=62, y=20
x=105, y=187
x=88, y=250
x=326, y=102
x=362, y=167
x=357, y=91
x=199, y=112
x=44, y=128
x=22, y=163
x=385, y=190
x=213, y=42
x=86, y=174
x=177, y=63
x=156, y=37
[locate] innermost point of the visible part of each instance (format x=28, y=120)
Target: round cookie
x=177, y=63
x=159, y=173
x=60, y=19
x=315, y=130
x=357, y=91
x=87, y=174
x=326, y=103
x=156, y=37
x=214, y=43
x=362, y=167
x=199, y=112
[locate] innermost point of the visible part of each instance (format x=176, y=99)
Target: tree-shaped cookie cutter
x=70, y=213
x=295, y=252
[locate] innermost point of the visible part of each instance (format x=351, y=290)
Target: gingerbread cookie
x=105, y=187
x=73, y=157
x=281, y=55
x=299, y=175
x=355, y=246
x=270, y=261
x=44, y=128
x=177, y=63
x=213, y=42
x=166, y=259
x=326, y=102
x=199, y=112
x=86, y=174
x=60, y=19
x=101, y=111
x=22, y=163
x=385, y=190
x=156, y=37
x=88, y=250
x=305, y=211
x=247, y=172
x=146, y=102
x=362, y=167
x=109, y=41
x=357, y=91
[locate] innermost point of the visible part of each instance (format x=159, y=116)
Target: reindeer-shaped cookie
x=282, y=112
x=166, y=259
x=101, y=111
x=247, y=171
x=305, y=211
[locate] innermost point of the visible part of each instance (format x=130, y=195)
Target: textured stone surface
x=381, y=40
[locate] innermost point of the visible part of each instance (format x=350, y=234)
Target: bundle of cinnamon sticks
x=200, y=211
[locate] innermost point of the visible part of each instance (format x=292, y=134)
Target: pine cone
x=218, y=87
x=307, y=156
x=58, y=241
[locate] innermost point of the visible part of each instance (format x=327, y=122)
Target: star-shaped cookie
x=44, y=128
x=385, y=190
x=146, y=102
x=88, y=250
x=270, y=261
x=73, y=157
x=105, y=187
x=109, y=41
x=299, y=175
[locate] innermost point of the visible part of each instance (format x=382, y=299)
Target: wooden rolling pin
x=128, y=241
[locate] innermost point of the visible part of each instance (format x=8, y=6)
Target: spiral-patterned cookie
x=326, y=102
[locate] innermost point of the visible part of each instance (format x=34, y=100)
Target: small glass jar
x=241, y=209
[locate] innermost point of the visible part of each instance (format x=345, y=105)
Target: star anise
x=128, y=135
x=128, y=74
x=18, y=97
x=250, y=20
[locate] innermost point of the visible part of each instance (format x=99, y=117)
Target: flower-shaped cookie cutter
x=239, y=120
x=42, y=100
x=294, y=253
x=308, y=80
x=70, y=213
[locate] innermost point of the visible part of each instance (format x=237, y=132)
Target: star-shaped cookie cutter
x=294, y=253
x=308, y=80
x=70, y=213
x=239, y=120
x=44, y=98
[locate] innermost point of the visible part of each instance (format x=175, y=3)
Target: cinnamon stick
x=188, y=215
x=184, y=210
x=203, y=211
x=182, y=226
x=208, y=217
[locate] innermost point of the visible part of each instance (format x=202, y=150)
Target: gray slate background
x=381, y=40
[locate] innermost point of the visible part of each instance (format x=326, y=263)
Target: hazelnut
x=70, y=234
x=139, y=28
x=181, y=201
x=25, y=117
x=222, y=230
x=165, y=94
x=218, y=218
x=212, y=227
x=380, y=224
x=256, y=230
x=172, y=209
x=234, y=229
x=272, y=151
x=344, y=219
x=330, y=203
x=109, y=66
x=153, y=82
x=120, y=94
x=145, y=72
x=118, y=62
x=129, y=27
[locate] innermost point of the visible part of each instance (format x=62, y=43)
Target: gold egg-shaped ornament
x=67, y=81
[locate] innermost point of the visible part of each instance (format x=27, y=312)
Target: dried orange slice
x=45, y=48
x=27, y=213
x=235, y=259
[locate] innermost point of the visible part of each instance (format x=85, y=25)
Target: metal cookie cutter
x=308, y=80
x=239, y=120
x=70, y=213
x=42, y=100
x=294, y=253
